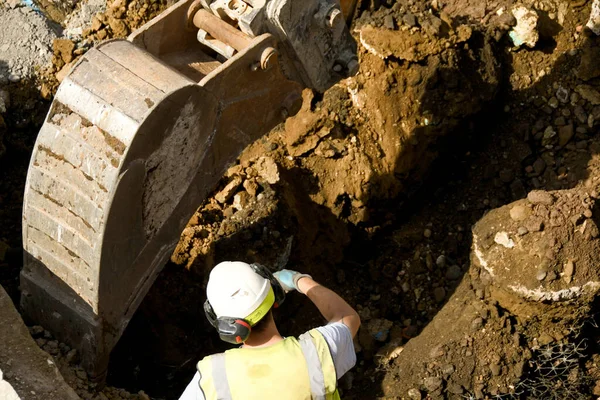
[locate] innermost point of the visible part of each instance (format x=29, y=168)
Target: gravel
x=25, y=43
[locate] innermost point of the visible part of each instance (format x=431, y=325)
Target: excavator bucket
x=139, y=134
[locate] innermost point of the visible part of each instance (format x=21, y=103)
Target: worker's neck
x=267, y=337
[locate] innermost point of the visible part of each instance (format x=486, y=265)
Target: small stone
x=545, y=339
x=268, y=170
x=519, y=213
x=588, y=93
x=534, y=224
x=441, y=261
x=495, y=369
x=414, y=394
x=41, y=342
x=541, y=275
x=241, y=200
x=410, y=19
x=553, y=102
x=224, y=195
x=439, y=294
x=388, y=22
x=562, y=95
x=521, y=231
x=455, y=388
x=454, y=273
x=36, y=331
x=565, y=133
x=427, y=233
x=540, y=197
x=477, y=324
x=14, y=78
x=503, y=239
x=251, y=187
x=432, y=383
x=568, y=271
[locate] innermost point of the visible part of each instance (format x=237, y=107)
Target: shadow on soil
x=482, y=165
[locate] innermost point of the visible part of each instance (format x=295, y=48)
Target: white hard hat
x=235, y=290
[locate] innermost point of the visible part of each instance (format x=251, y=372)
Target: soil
x=448, y=192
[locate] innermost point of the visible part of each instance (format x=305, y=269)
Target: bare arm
x=330, y=304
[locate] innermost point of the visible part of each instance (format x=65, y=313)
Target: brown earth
x=374, y=188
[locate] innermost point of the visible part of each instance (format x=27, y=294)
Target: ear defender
x=237, y=330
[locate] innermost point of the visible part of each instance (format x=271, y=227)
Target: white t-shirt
x=338, y=338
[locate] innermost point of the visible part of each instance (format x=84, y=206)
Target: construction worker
x=267, y=365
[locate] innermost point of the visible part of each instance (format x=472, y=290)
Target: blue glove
x=288, y=279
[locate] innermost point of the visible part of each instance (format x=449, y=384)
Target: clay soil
x=376, y=187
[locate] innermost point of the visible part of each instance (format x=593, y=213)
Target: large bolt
x=268, y=58
x=335, y=18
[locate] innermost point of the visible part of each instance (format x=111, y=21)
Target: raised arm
x=329, y=303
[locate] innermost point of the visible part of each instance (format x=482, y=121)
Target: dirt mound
x=363, y=141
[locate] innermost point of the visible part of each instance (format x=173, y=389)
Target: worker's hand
x=288, y=279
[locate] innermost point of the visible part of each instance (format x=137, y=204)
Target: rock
x=267, y=169
x=432, y=383
x=568, y=271
x=118, y=27
x=594, y=22
x=565, y=133
x=81, y=374
x=534, y=224
x=414, y=394
x=31, y=367
x=251, y=187
x=562, y=95
x=540, y=197
x=454, y=273
x=588, y=93
x=521, y=231
x=388, y=22
x=441, y=261
x=545, y=339
x=439, y=294
x=477, y=324
x=455, y=388
x=503, y=239
x=63, y=48
x=427, y=233
x=553, y=102
x=241, y=200
x=495, y=369
x=525, y=32
x=520, y=213
x=410, y=19
x=227, y=193
x=541, y=275
x=14, y=78
x=4, y=101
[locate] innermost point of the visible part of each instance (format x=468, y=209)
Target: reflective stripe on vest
x=303, y=369
x=315, y=372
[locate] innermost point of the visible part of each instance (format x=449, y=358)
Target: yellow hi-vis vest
x=293, y=369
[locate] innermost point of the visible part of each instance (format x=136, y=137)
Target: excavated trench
x=374, y=189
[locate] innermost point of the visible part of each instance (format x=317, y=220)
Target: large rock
x=31, y=371
x=552, y=256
